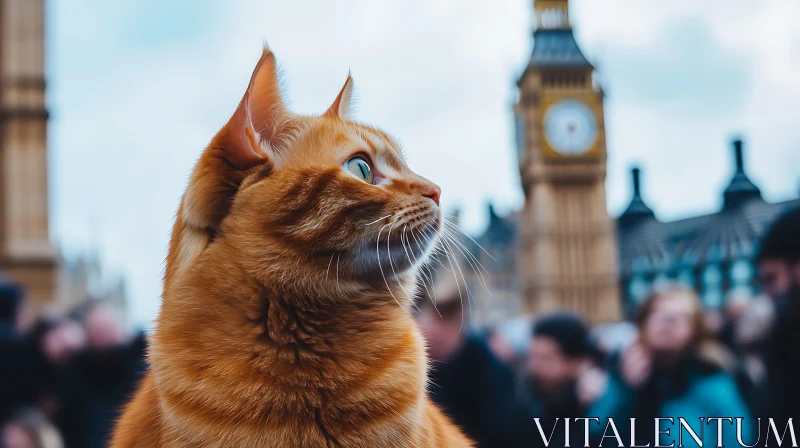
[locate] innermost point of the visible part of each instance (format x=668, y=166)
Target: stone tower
x=568, y=246
x=26, y=253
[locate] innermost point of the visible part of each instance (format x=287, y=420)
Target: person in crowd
x=563, y=379
x=37, y=356
x=501, y=348
x=467, y=380
x=779, y=272
x=16, y=315
x=612, y=338
x=60, y=340
x=736, y=304
x=673, y=370
x=750, y=336
x=53, y=346
x=15, y=389
x=102, y=377
x=29, y=428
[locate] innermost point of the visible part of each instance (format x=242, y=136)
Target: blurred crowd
x=679, y=359
x=64, y=379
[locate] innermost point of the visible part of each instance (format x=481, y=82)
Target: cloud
x=683, y=78
x=685, y=72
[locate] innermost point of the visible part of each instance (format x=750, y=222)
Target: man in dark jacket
x=25, y=368
x=562, y=381
x=779, y=270
x=101, y=379
x=470, y=384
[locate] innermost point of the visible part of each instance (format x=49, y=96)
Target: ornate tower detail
x=569, y=248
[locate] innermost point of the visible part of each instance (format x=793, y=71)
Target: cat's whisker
x=426, y=277
x=389, y=249
x=471, y=260
x=389, y=255
x=461, y=273
x=337, y=272
x=327, y=271
x=403, y=242
x=378, y=220
x=437, y=248
x=460, y=297
x=433, y=287
x=416, y=260
x=427, y=267
x=454, y=238
x=380, y=265
x=453, y=226
x=477, y=272
x=426, y=280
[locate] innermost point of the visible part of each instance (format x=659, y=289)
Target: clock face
x=570, y=127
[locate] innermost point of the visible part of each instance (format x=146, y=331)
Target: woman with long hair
x=674, y=370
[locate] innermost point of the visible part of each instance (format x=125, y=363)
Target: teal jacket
x=707, y=395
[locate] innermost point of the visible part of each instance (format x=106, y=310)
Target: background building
x=27, y=254
x=713, y=253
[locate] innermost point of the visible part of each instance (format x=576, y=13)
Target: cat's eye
x=360, y=168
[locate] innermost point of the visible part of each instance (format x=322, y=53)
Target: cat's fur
x=284, y=320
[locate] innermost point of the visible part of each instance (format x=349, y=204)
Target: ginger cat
x=290, y=272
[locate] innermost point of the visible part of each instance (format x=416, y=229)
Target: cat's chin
x=373, y=262
x=371, y=271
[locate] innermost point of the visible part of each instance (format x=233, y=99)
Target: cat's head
x=320, y=194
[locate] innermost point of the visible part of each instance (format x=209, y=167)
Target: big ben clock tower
x=569, y=251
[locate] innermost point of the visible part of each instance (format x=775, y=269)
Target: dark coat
x=551, y=411
x=24, y=370
x=476, y=390
x=94, y=391
x=783, y=369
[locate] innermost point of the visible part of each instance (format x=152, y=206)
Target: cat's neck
x=304, y=323
x=348, y=313
x=259, y=354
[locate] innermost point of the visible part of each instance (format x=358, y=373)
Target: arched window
x=741, y=273
x=686, y=277
x=661, y=279
x=714, y=253
x=712, y=286
x=638, y=288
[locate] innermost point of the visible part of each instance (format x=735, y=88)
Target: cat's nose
x=432, y=191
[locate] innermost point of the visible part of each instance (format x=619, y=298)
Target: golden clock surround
x=594, y=102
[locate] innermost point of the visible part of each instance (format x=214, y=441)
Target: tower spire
x=554, y=45
x=637, y=210
x=741, y=187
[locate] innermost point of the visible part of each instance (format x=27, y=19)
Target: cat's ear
x=341, y=106
x=248, y=135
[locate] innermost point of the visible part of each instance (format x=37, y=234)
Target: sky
x=137, y=89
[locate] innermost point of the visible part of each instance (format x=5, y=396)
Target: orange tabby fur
x=282, y=324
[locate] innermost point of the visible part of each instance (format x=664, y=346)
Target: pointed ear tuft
x=259, y=117
x=341, y=106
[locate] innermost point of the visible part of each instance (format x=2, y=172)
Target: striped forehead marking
x=382, y=147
